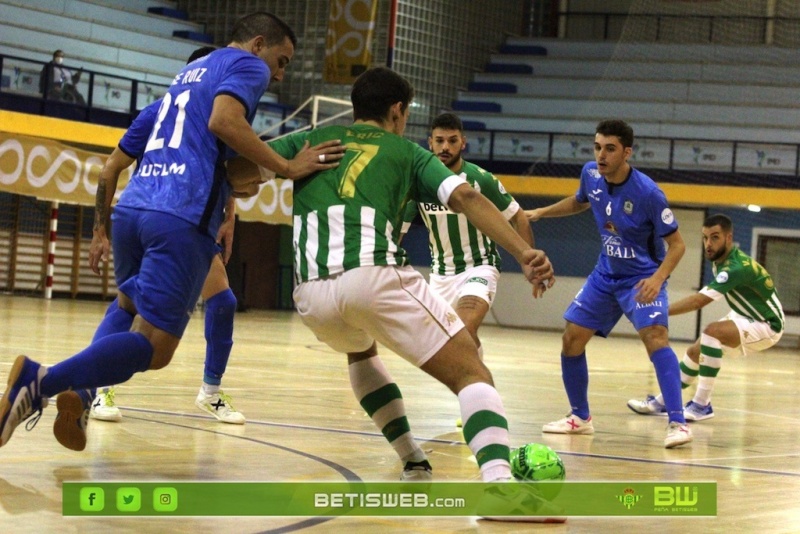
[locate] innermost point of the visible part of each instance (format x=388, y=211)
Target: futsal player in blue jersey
x=166, y=223
x=220, y=302
x=630, y=276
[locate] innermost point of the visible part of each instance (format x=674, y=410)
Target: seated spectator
x=57, y=82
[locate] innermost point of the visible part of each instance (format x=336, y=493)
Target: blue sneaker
x=73, y=416
x=22, y=397
x=697, y=412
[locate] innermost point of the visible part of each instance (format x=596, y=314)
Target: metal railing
x=96, y=97
x=674, y=154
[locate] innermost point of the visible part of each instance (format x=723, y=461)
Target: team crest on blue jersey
x=611, y=227
x=628, y=207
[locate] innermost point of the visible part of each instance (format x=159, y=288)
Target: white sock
x=381, y=399
x=486, y=429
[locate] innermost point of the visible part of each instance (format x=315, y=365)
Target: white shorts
x=480, y=281
x=754, y=336
x=393, y=305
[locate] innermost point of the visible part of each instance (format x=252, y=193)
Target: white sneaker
x=649, y=406
x=104, y=408
x=677, y=434
x=571, y=424
x=219, y=405
x=518, y=497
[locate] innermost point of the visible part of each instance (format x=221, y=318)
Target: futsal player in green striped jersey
x=465, y=263
x=354, y=284
x=755, y=323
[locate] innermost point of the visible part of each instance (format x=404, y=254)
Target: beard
x=714, y=255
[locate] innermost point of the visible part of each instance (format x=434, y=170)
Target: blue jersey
x=633, y=218
x=182, y=171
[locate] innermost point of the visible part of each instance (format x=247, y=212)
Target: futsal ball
x=536, y=462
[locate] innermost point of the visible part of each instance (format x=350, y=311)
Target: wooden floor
x=304, y=424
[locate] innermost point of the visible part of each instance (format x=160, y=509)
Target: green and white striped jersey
x=747, y=287
x=455, y=244
x=351, y=216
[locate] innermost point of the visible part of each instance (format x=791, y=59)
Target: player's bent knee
x=160, y=359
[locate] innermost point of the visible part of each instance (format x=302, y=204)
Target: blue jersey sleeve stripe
x=237, y=97
x=669, y=233
x=127, y=153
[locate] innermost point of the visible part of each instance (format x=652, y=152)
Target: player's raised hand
x=315, y=158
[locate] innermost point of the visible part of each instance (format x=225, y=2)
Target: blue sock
x=219, y=335
x=668, y=373
x=110, y=360
x=115, y=321
x=575, y=373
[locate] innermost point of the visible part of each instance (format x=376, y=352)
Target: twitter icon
x=129, y=499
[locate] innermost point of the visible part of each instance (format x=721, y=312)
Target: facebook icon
x=92, y=499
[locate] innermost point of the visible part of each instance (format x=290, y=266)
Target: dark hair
x=723, y=221
x=447, y=121
x=617, y=128
x=57, y=52
x=200, y=52
x=378, y=89
x=271, y=28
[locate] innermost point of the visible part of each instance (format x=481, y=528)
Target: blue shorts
x=602, y=301
x=160, y=263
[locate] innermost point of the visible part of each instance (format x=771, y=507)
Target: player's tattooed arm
x=100, y=247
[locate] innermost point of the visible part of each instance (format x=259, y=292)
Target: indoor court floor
x=303, y=424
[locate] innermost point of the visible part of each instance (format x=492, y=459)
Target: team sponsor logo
x=627, y=207
x=594, y=173
x=611, y=227
x=722, y=277
x=431, y=207
x=654, y=315
x=654, y=304
x=614, y=248
x=451, y=318
x=501, y=188
x=667, y=216
x=478, y=280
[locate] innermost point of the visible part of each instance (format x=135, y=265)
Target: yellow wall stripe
x=107, y=136
x=60, y=129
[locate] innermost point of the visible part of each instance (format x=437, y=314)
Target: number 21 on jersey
x=155, y=142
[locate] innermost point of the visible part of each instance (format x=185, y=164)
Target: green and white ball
x=535, y=462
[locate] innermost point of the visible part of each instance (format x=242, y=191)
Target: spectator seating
x=711, y=92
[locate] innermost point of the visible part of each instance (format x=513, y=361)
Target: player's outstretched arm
x=107, y=181
x=562, y=208
x=488, y=219
x=689, y=304
x=229, y=124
